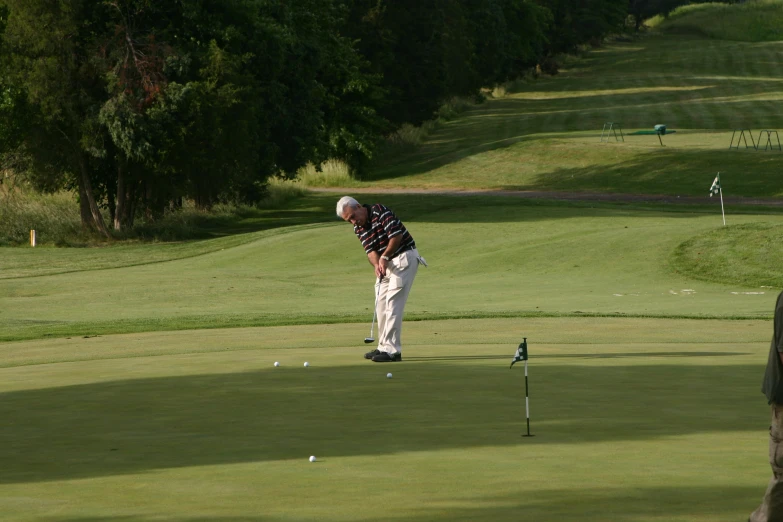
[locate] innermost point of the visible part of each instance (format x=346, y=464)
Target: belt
x=402, y=251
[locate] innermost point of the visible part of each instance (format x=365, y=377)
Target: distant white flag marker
x=716, y=189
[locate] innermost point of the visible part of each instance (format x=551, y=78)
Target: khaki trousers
x=393, y=293
x=771, y=508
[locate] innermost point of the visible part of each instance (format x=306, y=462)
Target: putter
x=371, y=338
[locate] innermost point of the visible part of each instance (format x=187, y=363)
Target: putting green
x=634, y=420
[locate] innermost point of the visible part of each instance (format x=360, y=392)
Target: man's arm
x=373, y=258
x=376, y=259
x=381, y=263
x=394, y=244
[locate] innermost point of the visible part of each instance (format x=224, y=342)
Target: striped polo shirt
x=381, y=226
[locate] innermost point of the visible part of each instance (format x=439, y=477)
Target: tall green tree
x=139, y=103
x=428, y=52
x=578, y=22
x=42, y=57
x=509, y=38
x=641, y=10
x=403, y=42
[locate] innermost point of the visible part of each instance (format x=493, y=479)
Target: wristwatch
x=386, y=258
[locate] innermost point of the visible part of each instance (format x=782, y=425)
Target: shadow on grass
x=303, y=211
x=667, y=171
x=138, y=425
x=577, y=356
x=552, y=505
x=601, y=504
x=518, y=208
x=656, y=172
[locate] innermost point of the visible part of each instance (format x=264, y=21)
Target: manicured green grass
x=489, y=257
x=634, y=420
x=755, y=21
x=734, y=254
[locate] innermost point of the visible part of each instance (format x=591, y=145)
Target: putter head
x=368, y=340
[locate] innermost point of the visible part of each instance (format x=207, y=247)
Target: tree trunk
x=120, y=218
x=126, y=199
x=85, y=186
x=131, y=202
x=148, y=215
x=111, y=202
x=84, y=206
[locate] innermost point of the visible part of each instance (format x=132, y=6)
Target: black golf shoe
x=370, y=355
x=387, y=357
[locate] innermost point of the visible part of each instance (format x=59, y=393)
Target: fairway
x=628, y=414
x=489, y=257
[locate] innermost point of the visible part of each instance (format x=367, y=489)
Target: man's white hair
x=345, y=201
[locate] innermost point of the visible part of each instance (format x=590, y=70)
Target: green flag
x=521, y=354
x=715, y=188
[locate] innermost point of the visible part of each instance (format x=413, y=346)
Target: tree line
x=137, y=104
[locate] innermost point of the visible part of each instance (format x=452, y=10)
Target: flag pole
x=717, y=185
x=521, y=355
x=527, y=401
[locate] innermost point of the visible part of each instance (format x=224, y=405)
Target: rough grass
x=332, y=173
x=54, y=217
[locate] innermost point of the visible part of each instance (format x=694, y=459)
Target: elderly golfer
x=393, y=255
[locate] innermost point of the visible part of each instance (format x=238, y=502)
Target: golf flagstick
x=521, y=355
x=717, y=189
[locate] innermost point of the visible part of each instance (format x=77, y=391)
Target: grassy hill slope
x=547, y=135
x=749, y=21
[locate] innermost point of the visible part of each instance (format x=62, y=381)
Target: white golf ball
x=388, y=375
x=312, y=458
x=306, y=364
x=277, y=363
